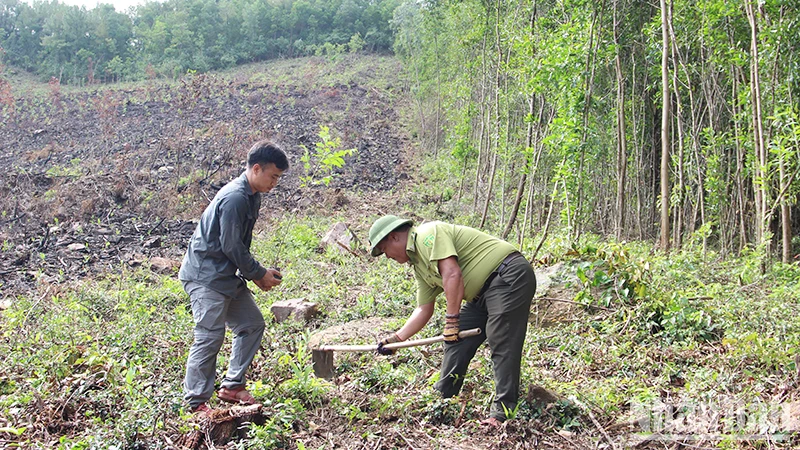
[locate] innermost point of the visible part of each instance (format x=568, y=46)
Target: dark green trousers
x=502, y=315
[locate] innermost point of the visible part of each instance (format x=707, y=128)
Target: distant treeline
x=77, y=45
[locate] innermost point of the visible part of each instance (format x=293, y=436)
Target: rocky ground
x=99, y=177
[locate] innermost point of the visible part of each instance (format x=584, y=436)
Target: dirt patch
x=555, y=292
x=364, y=331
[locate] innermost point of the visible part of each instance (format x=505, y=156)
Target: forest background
x=690, y=108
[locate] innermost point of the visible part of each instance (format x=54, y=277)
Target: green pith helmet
x=381, y=228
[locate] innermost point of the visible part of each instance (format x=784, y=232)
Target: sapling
x=319, y=169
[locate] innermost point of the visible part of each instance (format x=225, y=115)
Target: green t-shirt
x=478, y=254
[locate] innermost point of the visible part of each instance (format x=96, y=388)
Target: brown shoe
x=203, y=409
x=236, y=395
x=491, y=422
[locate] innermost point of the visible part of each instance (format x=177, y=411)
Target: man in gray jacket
x=214, y=273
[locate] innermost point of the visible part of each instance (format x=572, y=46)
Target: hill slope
x=118, y=170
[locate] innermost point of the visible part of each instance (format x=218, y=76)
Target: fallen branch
x=14, y=219
x=551, y=299
x=150, y=231
x=348, y=249
x=594, y=421
x=410, y=445
x=43, y=243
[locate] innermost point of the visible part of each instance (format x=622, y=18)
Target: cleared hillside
x=122, y=170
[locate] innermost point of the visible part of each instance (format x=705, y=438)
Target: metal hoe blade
x=323, y=363
x=322, y=357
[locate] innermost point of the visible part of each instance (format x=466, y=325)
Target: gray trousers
x=502, y=315
x=212, y=311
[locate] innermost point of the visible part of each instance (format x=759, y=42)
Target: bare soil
x=97, y=178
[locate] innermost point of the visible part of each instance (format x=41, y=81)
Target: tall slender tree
x=665, y=131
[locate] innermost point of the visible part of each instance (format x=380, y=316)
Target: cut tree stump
x=296, y=308
x=340, y=238
x=221, y=426
x=164, y=266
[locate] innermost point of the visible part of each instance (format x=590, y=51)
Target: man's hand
x=451, y=328
x=270, y=279
x=389, y=339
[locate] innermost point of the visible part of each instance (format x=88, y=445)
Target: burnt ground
x=99, y=177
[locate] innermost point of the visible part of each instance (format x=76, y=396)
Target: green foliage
x=330, y=50
x=94, y=347
x=326, y=158
x=680, y=319
x=302, y=385
x=356, y=44
x=560, y=415
x=277, y=431
x=609, y=275
x=120, y=343
x=74, y=170
x=557, y=86
x=436, y=410
x=80, y=46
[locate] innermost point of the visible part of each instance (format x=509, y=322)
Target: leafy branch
x=327, y=156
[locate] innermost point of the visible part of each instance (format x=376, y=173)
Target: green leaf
x=12, y=430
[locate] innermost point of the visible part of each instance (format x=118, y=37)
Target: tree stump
x=221, y=426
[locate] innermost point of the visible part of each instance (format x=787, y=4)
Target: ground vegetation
x=629, y=345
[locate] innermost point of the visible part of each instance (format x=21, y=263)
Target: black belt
x=498, y=271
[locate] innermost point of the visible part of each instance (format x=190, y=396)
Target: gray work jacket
x=221, y=242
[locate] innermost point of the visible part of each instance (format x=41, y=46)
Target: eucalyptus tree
x=703, y=91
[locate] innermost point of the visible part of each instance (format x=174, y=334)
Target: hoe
x=322, y=356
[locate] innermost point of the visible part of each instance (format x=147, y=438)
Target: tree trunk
x=527, y=223
x=523, y=178
x=677, y=232
x=547, y=221
x=496, y=134
x=665, y=120
x=539, y=149
x=509, y=163
x=786, y=218
x=484, y=120
x=438, y=126
x=740, y=163
x=622, y=143
x=590, y=68
x=532, y=165
x=760, y=182
x=637, y=144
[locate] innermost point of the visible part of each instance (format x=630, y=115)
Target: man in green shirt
x=487, y=284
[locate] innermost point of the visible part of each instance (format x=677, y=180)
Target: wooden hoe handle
x=396, y=345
